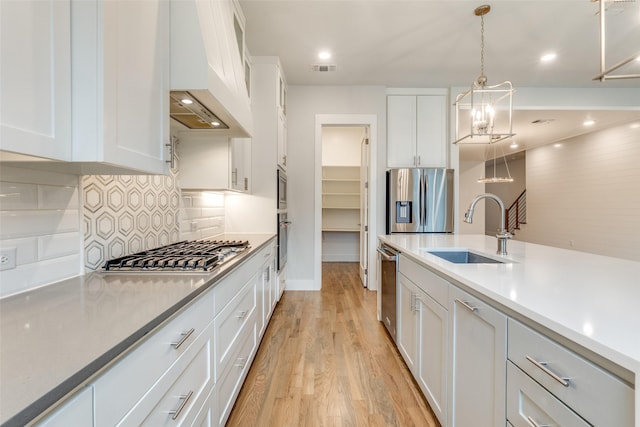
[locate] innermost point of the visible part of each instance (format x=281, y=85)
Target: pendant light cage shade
x=485, y=110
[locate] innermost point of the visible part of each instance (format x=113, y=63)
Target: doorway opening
x=345, y=165
x=344, y=195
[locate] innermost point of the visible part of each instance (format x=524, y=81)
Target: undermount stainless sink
x=464, y=257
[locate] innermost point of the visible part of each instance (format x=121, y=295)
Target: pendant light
x=487, y=109
x=495, y=179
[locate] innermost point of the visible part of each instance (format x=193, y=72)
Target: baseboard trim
x=341, y=258
x=301, y=285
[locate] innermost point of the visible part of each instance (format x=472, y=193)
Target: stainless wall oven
x=283, y=232
x=282, y=190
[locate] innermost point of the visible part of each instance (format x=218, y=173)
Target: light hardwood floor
x=326, y=361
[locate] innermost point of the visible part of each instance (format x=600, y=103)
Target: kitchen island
x=586, y=302
x=55, y=339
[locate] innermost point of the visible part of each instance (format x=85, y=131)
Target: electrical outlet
x=7, y=258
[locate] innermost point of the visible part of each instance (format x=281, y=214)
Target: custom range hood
x=207, y=68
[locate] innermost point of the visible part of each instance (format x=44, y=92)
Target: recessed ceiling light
x=215, y=123
x=324, y=54
x=635, y=126
x=589, y=122
x=186, y=101
x=548, y=57
x=557, y=145
x=513, y=145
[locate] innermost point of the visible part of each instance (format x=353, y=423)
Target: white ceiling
x=436, y=43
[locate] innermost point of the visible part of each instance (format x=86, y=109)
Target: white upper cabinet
x=269, y=105
x=240, y=164
x=210, y=162
x=417, y=130
x=208, y=59
x=87, y=83
x=120, y=68
x=35, y=78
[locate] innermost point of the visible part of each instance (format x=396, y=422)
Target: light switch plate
x=7, y=258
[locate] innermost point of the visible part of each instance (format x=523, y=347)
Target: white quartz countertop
x=55, y=338
x=589, y=299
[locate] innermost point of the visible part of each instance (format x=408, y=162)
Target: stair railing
x=517, y=213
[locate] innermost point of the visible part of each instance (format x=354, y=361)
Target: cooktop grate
x=195, y=256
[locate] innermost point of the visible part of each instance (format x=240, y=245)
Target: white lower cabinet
x=422, y=331
x=407, y=325
x=432, y=360
x=478, y=367
x=478, y=346
x=190, y=370
x=596, y=395
x=177, y=395
x=78, y=411
x=130, y=383
x=529, y=404
x=233, y=373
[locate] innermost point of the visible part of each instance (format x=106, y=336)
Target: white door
x=364, y=209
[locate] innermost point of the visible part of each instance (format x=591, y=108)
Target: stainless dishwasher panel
x=388, y=265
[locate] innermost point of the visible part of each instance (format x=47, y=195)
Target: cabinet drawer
x=129, y=379
x=76, y=412
x=592, y=392
x=232, y=374
x=186, y=395
x=227, y=289
x=529, y=403
x=229, y=324
x=435, y=286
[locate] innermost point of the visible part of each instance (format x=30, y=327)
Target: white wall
x=584, y=194
x=40, y=216
x=305, y=102
x=341, y=145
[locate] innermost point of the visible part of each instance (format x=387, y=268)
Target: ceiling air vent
x=321, y=68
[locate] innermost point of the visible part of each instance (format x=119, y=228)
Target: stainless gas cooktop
x=186, y=256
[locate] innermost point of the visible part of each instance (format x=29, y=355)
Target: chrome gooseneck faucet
x=503, y=235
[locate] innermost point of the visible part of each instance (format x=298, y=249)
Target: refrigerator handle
x=425, y=200
x=421, y=200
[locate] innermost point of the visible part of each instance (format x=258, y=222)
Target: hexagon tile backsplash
x=124, y=214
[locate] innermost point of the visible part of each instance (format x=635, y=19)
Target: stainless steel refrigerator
x=420, y=200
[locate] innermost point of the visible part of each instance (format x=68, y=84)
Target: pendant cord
x=482, y=45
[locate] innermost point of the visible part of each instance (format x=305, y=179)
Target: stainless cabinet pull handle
x=172, y=148
x=467, y=306
x=418, y=160
x=242, y=361
x=185, y=336
x=534, y=423
x=542, y=366
x=241, y=314
x=176, y=412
